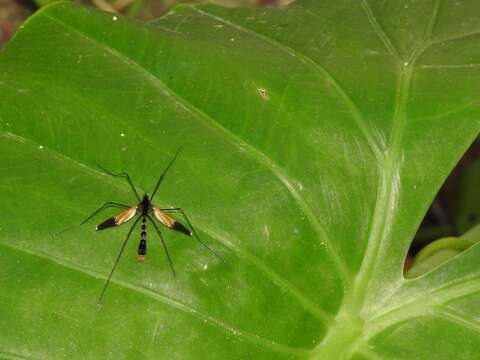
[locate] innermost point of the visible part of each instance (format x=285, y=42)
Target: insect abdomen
x=142, y=250
x=142, y=246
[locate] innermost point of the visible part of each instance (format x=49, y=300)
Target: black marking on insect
x=144, y=210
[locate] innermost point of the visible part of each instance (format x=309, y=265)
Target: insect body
x=144, y=211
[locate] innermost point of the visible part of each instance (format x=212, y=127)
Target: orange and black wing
x=118, y=219
x=170, y=222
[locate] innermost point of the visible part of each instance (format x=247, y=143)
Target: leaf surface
x=315, y=139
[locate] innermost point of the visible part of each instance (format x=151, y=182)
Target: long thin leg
x=180, y=210
x=165, y=172
x=117, y=260
x=101, y=208
x=164, y=245
x=126, y=176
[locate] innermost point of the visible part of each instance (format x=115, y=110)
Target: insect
x=145, y=212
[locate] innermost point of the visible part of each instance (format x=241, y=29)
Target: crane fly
x=145, y=211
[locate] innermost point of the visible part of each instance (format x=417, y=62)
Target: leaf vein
x=357, y=116
x=223, y=239
x=379, y=30
x=254, y=152
x=454, y=37
x=253, y=338
x=7, y=355
x=456, y=317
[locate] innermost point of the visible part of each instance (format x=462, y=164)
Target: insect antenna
x=60, y=232
x=100, y=209
x=165, y=172
x=117, y=261
x=126, y=176
x=103, y=207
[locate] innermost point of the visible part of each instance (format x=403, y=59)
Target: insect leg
x=103, y=207
x=180, y=210
x=117, y=260
x=165, y=172
x=126, y=176
x=164, y=245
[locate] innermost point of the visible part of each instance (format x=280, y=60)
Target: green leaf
x=440, y=251
x=315, y=137
x=436, y=253
x=473, y=234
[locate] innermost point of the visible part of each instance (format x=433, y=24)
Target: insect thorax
x=145, y=205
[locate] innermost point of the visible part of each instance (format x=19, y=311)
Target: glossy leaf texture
x=315, y=138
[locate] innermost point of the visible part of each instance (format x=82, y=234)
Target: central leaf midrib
x=392, y=161
x=387, y=196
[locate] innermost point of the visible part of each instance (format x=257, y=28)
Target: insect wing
x=118, y=219
x=170, y=222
